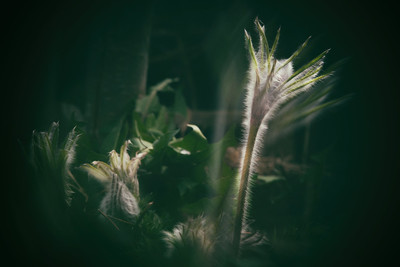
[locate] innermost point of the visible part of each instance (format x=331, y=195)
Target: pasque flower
x=53, y=161
x=194, y=236
x=120, y=178
x=271, y=83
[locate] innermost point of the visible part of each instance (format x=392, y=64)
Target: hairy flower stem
x=271, y=83
x=244, y=181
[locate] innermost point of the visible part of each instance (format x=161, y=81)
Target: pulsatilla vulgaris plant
x=183, y=212
x=122, y=185
x=196, y=235
x=271, y=83
x=52, y=162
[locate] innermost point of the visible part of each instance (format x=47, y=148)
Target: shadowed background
x=91, y=59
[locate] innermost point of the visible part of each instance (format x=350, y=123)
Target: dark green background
x=50, y=55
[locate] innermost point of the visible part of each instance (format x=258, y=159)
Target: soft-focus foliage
x=52, y=161
x=271, y=83
x=164, y=193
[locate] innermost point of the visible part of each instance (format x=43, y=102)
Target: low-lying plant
x=168, y=190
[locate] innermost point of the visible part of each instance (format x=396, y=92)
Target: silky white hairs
x=121, y=182
x=119, y=201
x=195, y=234
x=271, y=82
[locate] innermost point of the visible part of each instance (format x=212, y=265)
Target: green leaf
x=162, y=119
x=192, y=142
x=139, y=129
x=147, y=104
x=161, y=85
x=141, y=145
x=160, y=146
x=150, y=103
x=156, y=133
x=150, y=121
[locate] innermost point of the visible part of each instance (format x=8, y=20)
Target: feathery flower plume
x=194, y=238
x=121, y=181
x=53, y=161
x=271, y=83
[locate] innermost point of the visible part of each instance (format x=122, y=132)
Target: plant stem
x=244, y=181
